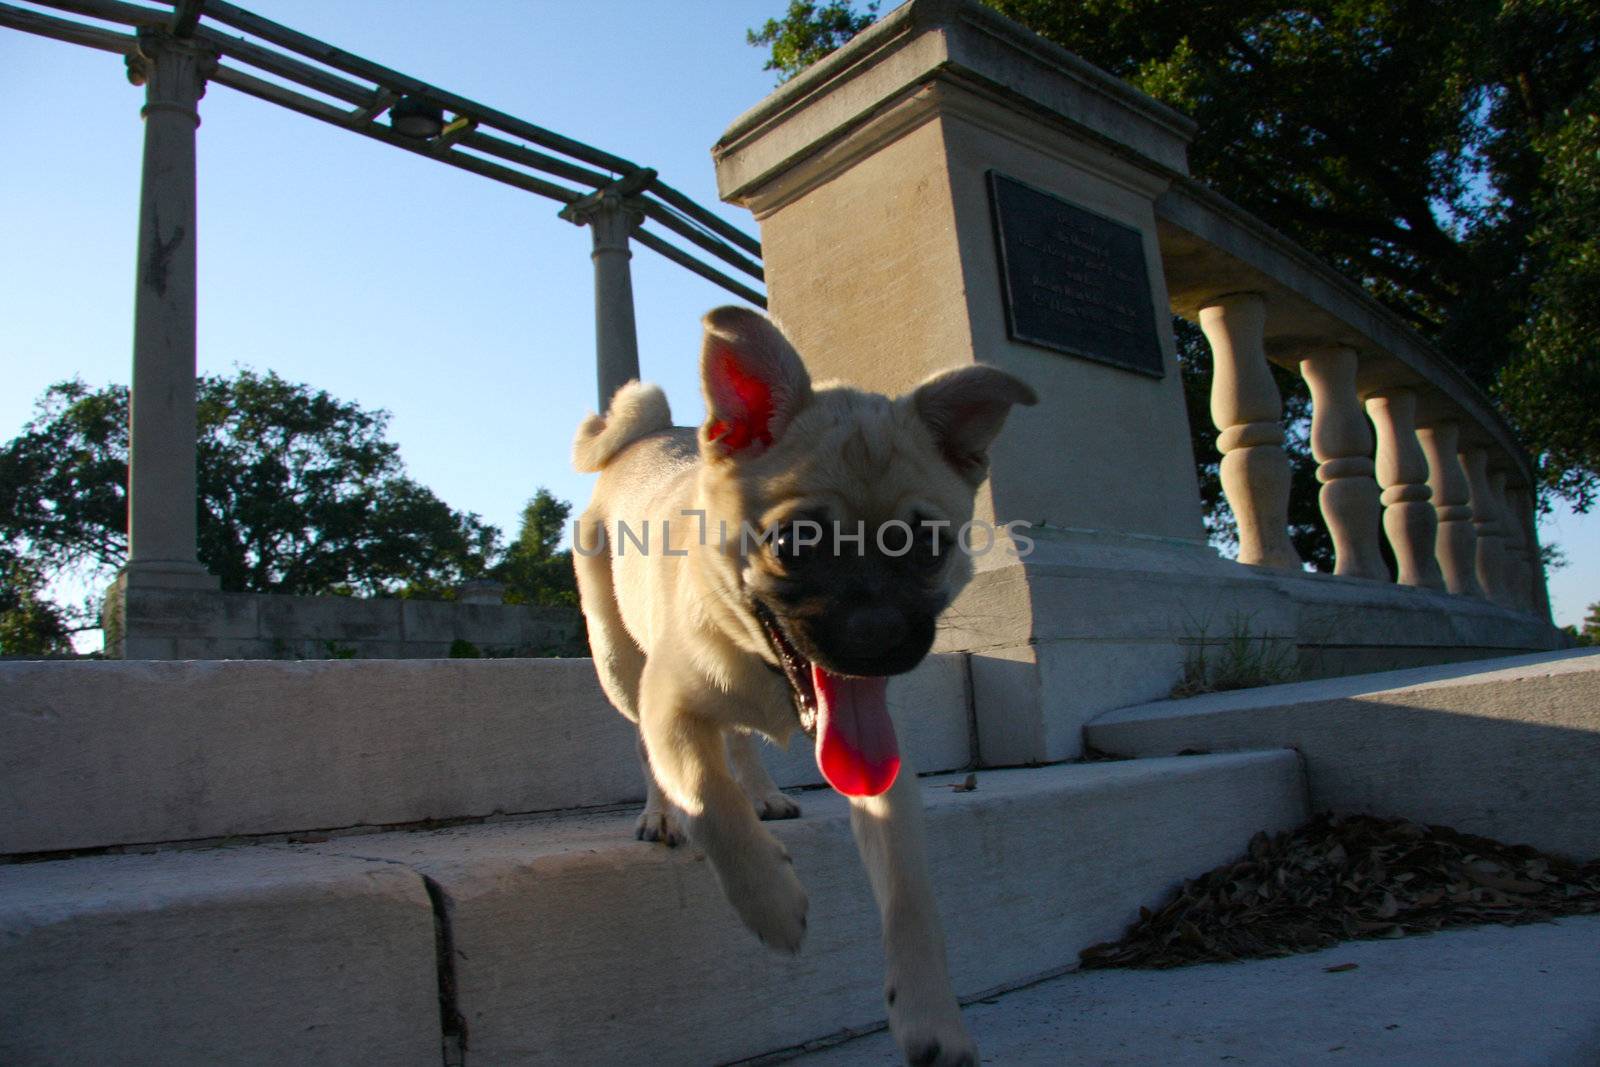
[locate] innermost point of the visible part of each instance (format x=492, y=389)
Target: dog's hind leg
x=923, y=1013
x=689, y=757
x=770, y=802
x=617, y=659
x=620, y=664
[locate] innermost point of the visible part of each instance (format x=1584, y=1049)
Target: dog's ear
x=965, y=409
x=754, y=383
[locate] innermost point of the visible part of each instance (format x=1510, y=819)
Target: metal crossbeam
x=480, y=139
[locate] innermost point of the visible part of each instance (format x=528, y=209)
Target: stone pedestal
x=878, y=178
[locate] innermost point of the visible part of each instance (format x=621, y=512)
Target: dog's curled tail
x=636, y=410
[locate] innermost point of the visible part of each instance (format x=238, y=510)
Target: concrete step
x=565, y=941
x=121, y=753
x=228, y=956
x=1505, y=748
x=1513, y=996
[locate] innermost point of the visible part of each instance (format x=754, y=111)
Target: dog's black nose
x=875, y=629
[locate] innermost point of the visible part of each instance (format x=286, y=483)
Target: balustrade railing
x=1457, y=513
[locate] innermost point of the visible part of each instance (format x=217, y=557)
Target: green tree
x=1443, y=155
x=807, y=32
x=1590, y=634
x=532, y=569
x=298, y=493
x=30, y=625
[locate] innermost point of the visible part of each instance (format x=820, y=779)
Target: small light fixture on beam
x=413, y=116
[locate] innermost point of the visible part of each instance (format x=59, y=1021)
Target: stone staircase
x=432, y=861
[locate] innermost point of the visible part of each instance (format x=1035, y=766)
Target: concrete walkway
x=1526, y=996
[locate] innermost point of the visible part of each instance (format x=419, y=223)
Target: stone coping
x=957, y=39
x=1449, y=675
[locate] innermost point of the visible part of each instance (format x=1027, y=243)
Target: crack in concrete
x=452, y=1023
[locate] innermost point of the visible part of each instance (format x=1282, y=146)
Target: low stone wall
x=1505, y=748
x=207, y=624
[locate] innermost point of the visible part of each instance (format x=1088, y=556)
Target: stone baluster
x=1515, y=575
x=1341, y=441
x=1246, y=407
x=1490, y=560
x=1408, y=518
x=1457, y=543
x=1523, y=514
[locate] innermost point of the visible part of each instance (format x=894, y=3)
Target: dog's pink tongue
x=856, y=749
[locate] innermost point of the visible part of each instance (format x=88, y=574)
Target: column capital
x=173, y=71
x=610, y=217
x=612, y=211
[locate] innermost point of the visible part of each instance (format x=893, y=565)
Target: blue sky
x=461, y=306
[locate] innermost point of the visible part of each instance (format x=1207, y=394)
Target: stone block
x=576, y=944
x=238, y=956
x=113, y=753
x=1088, y=622
x=1505, y=748
x=1069, y=683
x=332, y=619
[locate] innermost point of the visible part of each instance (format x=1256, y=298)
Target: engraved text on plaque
x=1074, y=281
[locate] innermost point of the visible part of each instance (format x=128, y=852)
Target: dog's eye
x=931, y=545
x=798, y=541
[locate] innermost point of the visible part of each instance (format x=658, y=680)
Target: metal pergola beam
x=180, y=47
x=464, y=148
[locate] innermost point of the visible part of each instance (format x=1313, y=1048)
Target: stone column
x=612, y=217
x=1519, y=570
x=1490, y=557
x=616, y=342
x=1246, y=407
x=162, y=505
x=1523, y=514
x=1457, y=542
x=1408, y=518
x=1341, y=441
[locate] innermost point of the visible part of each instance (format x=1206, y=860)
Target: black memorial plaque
x=1074, y=281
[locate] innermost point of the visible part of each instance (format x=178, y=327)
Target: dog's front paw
x=770, y=900
x=776, y=805
x=659, y=826
x=930, y=1033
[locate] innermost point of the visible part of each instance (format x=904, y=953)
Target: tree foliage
x=807, y=32
x=298, y=493
x=1589, y=634
x=30, y=624
x=533, y=571
x=1441, y=154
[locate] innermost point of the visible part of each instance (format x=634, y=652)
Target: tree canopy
x=299, y=492
x=533, y=570
x=1444, y=155
x=809, y=31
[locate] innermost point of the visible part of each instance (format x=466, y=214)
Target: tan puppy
x=756, y=577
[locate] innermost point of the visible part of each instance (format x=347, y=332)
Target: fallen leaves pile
x=1340, y=878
